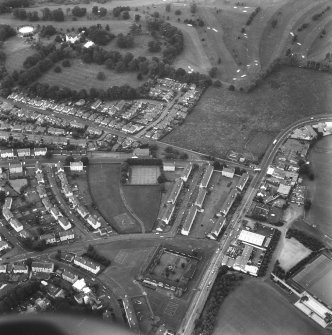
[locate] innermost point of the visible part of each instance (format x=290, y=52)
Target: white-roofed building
x=167, y=213
x=189, y=221
x=81, y=210
x=45, y=267
x=284, y=190
x=15, y=168
x=8, y=203
x=66, y=235
x=76, y=166
x=200, y=197
x=175, y=191
x=251, y=238
x=186, y=172
x=169, y=166
x=219, y=224
x=228, y=202
x=16, y=225
x=207, y=176
x=69, y=276
x=242, y=181
x=20, y=268
x=4, y=245
x=3, y=268
x=64, y=223
x=40, y=151
x=228, y=172
x=23, y=152
x=87, y=265
x=94, y=223
x=7, y=153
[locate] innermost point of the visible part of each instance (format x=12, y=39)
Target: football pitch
x=256, y=308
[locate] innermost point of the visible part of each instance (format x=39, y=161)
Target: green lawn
x=255, y=308
x=145, y=202
x=224, y=120
x=105, y=192
x=81, y=75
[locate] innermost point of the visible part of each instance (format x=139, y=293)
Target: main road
x=199, y=299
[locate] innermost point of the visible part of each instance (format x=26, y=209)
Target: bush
x=66, y=63
x=178, y=12
x=101, y=76
x=57, y=69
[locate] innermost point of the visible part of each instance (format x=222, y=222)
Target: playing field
x=255, y=308
x=144, y=175
x=224, y=120
x=292, y=252
x=81, y=75
x=316, y=278
x=104, y=184
x=144, y=200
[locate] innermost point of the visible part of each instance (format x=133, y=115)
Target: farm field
x=145, y=202
x=255, y=308
x=104, y=186
x=224, y=120
x=79, y=73
x=292, y=252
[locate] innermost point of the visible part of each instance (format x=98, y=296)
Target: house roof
x=252, y=238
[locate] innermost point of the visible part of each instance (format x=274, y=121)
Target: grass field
x=17, y=51
x=224, y=120
x=105, y=191
x=145, y=202
x=81, y=75
x=321, y=46
x=144, y=175
x=255, y=308
x=293, y=252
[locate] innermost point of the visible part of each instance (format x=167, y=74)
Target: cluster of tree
x=93, y=255
x=178, y=12
x=33, y=245
x=305, y=169
x=268, y=253
x=290, y=273
x=171, y=153
x=118, y=10
x=173, y=36
x=198, y=22
x=144, y=161
x=252, y=16
x=47, y=31
x=102, y=11
x=162, y=178
x=6, y=31
x=125, y=41
x=223, y=285
x=124, y=172
x=54, y=15
x=307, y=240
x=317, y=16
x=154, y=46
x=193, y=7
x=17, y=295
x=79, y=11
x=6, y=6
x=274, y=23
x=278, y=270
x=98, y=35
x=303, y=26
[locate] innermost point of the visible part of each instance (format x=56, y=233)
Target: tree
x=66, y=63
x=193, y=8
x=168, y=7
x=85, y=160
x=213, y=72
x=125, y=15
x=178, y=12
x=101, y=76
x=137, y=17
x=48, y=154
x=69, y=159
x=95, y=10
x=57, y=69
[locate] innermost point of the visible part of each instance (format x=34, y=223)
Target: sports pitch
x=144, y=175
x=316, y=278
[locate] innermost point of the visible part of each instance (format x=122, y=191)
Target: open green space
x=104, y=183
x=292, y=253
x=81, y=75
x=144, y=200
x=223, y=120
x=256, y=308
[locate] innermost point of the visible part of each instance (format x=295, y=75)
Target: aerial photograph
x=166, y=167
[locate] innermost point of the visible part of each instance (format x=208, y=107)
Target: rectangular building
x=76, y=166
x=207, y=176
x=228, y=202
x=15, y=168
x=86, y=265
x=66, y=235
x=175, y=191
x=24, y=152
x=228, y=172
x=189, y=221
x=40, y=151
x=44, y=267
x=69, y=276
x=169, y=166
x=251, y=238
x=20, y=268
x=186, y=172
x=242, y=181
x=167, y=213
x=218, y=226
x=95, y=224
x=64, y=223
x=16, y=225
x=200, y=197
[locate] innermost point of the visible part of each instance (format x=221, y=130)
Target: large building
x=242, y=181
x=76, y=166
x=200, y=197
x=167, y=213
x=86, y=265
x=175, y=191
x=228, y=172
x=44, y=267
x=228, y=203
x=218, y=226
x=207, y=176
x=16, y=225
x=15, y=168
x=250, y=238
x=186, y=172
x=189, y=221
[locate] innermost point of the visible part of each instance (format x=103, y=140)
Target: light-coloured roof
x=252, y=238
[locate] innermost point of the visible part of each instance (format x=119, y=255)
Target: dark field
x=145, y=202
x=224, y=120
x=104, y=183
x=255, y=308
